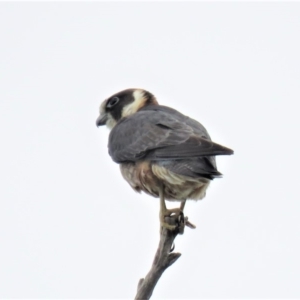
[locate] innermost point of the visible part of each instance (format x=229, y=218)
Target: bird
x=160, y=151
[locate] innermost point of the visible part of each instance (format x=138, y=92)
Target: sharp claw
x=172, y=248
x=180, y=217
x=181, y=222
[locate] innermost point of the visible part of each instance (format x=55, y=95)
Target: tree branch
x=164, y=257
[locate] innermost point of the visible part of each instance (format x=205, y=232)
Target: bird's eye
x=112, y=102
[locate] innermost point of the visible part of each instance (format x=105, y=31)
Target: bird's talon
x=172, y=248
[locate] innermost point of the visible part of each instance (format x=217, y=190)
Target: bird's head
x=123, y=104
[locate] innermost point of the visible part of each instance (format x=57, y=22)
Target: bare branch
x=164, y=257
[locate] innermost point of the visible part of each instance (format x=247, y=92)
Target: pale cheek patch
x=110, y=123
x=132, y=108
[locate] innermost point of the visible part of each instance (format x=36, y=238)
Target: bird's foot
x=170, y=218
x=174, y=219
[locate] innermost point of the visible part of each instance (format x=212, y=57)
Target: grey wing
x=194, y=167
x=160, y=133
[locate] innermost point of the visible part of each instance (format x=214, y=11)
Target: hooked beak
x=101, y=120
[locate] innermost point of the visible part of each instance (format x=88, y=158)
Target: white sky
x=70, y=226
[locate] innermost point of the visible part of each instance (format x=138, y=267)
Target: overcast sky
x=70, y=226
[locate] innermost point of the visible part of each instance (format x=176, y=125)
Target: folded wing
x=160, y=133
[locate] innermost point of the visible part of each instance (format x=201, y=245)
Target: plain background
x=70, y=226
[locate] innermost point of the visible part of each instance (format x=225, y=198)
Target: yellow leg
x=164, y=212
x=182, y=205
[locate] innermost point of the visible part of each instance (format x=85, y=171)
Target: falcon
x=160, y=151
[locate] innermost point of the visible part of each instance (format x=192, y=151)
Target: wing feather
x=159, y=133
